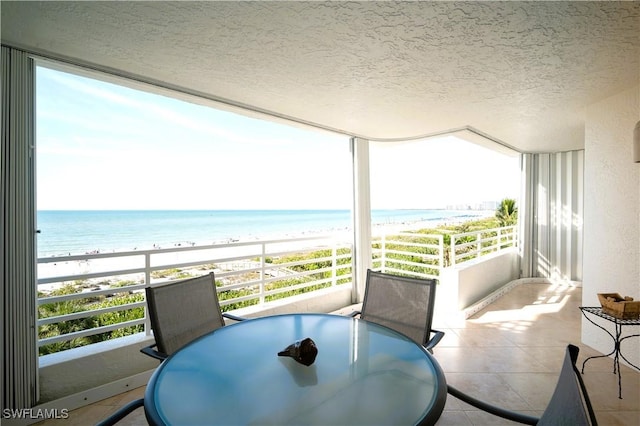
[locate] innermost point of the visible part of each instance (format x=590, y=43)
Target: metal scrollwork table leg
x=617, y=340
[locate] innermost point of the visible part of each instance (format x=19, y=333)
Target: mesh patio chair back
x=401, y=303
x=569, y=404
x=183, y=311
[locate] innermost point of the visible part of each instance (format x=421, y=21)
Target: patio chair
x=569, y=405
x=182, y=311
x=121, y=413
x=403, y=304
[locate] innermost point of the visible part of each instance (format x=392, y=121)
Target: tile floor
x=509, y=354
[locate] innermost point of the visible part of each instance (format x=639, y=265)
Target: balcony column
x=526, y=217
x=361, y=215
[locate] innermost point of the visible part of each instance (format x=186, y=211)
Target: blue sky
x=103, y=146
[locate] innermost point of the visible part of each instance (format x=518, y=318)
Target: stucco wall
x=611, y=212
x=463, y=285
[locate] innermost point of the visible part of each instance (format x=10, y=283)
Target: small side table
x=617, y=339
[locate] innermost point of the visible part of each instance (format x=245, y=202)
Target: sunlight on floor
x=526, y=313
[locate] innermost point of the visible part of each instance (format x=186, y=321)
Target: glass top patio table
x=364, y=374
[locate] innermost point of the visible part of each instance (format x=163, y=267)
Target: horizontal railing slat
x=89, y=332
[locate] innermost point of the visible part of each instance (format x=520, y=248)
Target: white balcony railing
x=416, y=254
x=87, y=298
x=471, y=245
x=78, y=294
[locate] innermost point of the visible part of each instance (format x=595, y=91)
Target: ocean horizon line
x=86, y=231
x=250, y=210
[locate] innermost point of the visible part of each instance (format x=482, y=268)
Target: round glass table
x=364, y=374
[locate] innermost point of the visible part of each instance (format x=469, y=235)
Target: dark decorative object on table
x=304, y=351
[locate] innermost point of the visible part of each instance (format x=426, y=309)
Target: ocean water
x=77, y=232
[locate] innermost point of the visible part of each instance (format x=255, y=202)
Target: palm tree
x=507, y=212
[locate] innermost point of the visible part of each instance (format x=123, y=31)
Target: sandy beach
x=54, y=267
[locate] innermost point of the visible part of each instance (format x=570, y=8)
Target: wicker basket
x=618, y=306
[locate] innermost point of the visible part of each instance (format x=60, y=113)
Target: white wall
x=611, y=212
x=466, y=284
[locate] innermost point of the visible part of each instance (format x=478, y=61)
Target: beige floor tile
x=618, y=418
x=490, y=388
x=480, y=418
x=454, y=404
x=453, y=322
x=450, y=339
x=603, y=391
x=482, y=337
x=549, y=356
x=487, y=360
x=535, y=388
x=454, y=418
x=559, y=335
x=136, y=418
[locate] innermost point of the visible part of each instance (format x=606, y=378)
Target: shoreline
x=376, y=227
x=53, y=269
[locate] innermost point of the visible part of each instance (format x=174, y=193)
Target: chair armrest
x=355, y=313
x=234, y=317
x=438, y=335
x=148, y=350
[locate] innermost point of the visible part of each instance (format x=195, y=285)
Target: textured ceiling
x=521, y=72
